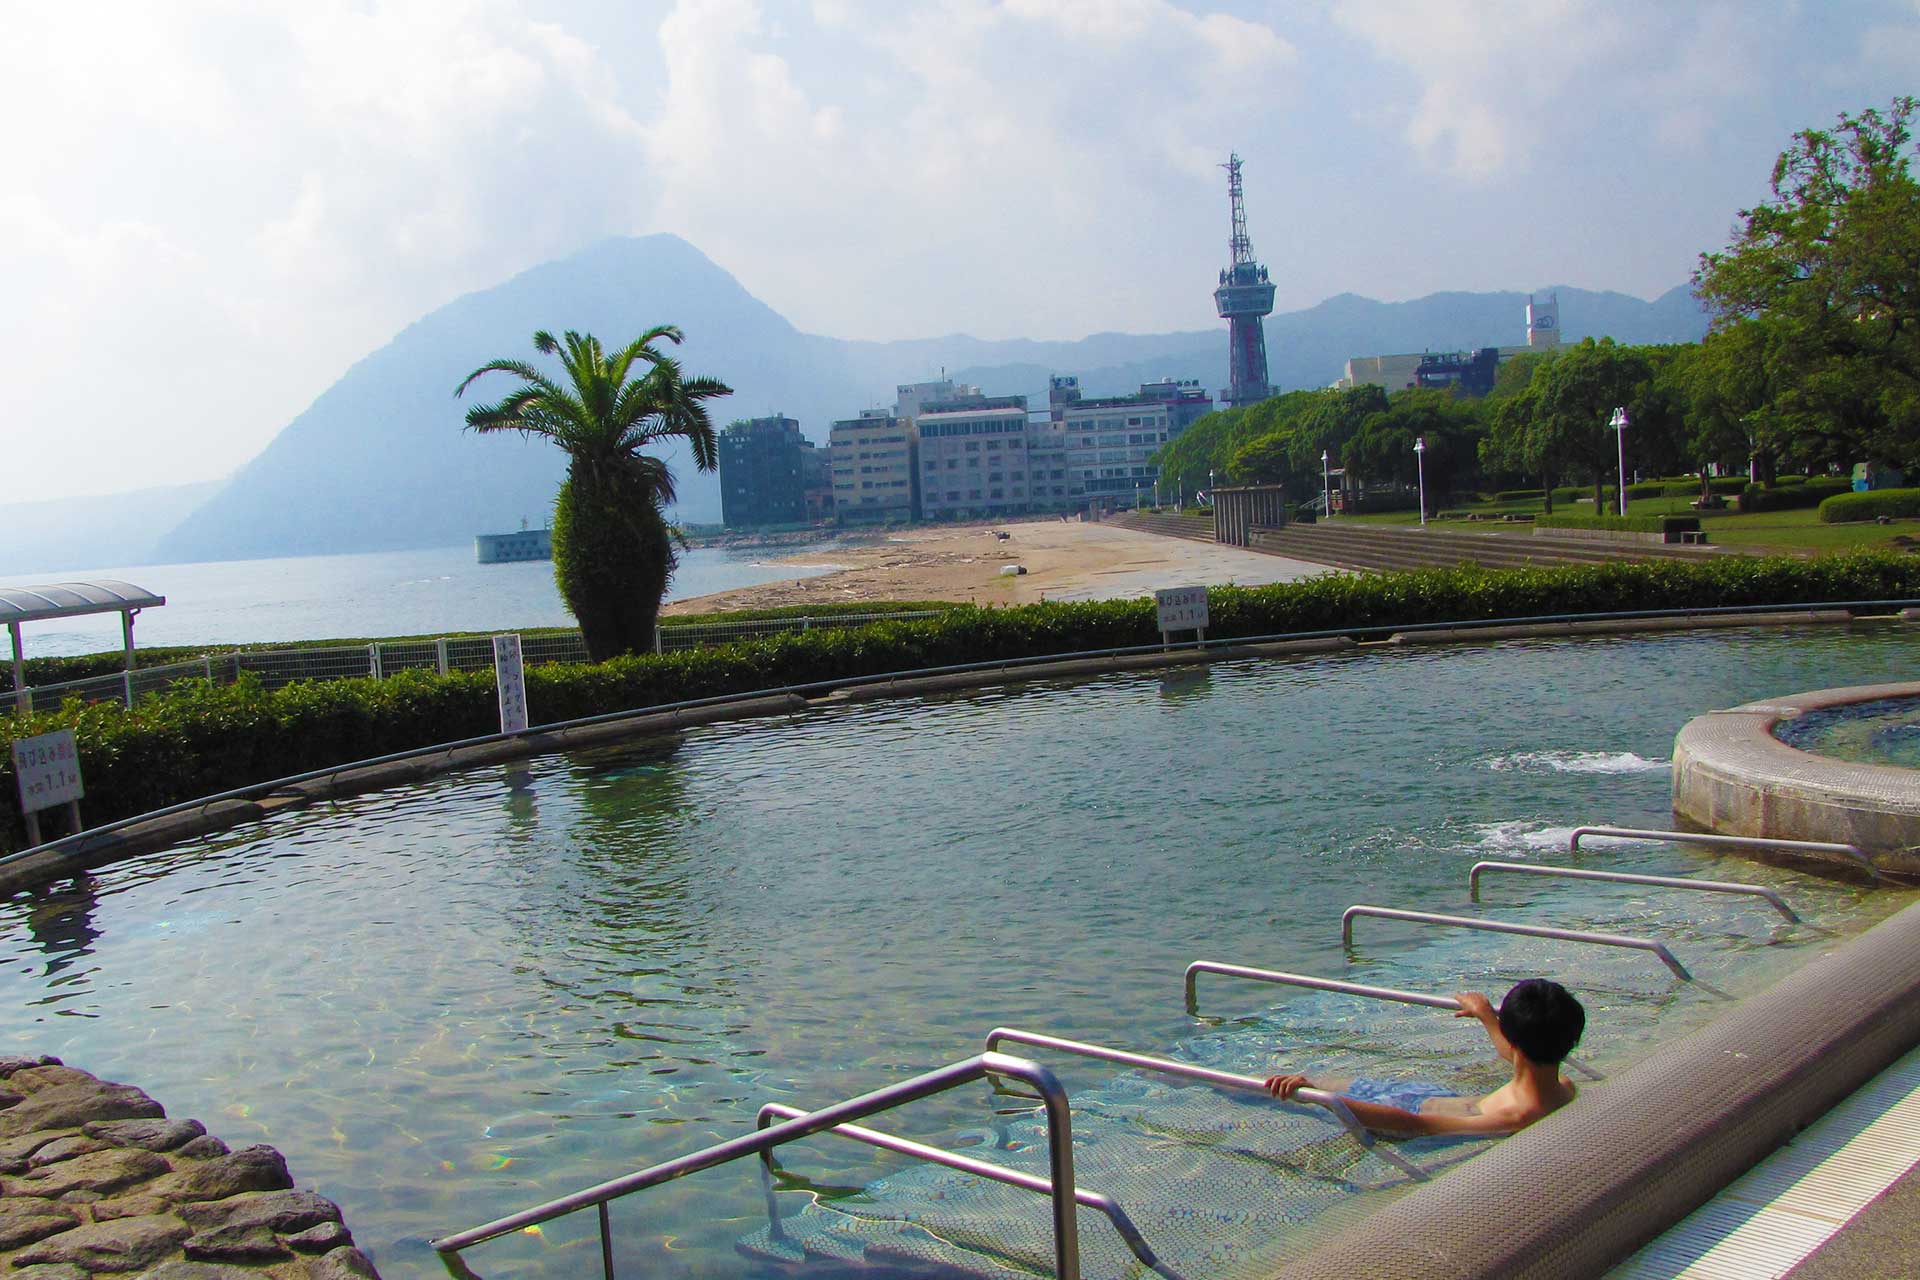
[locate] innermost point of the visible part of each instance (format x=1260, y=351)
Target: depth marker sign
x=511, y=678
x=1182, y=609
x=48, y=771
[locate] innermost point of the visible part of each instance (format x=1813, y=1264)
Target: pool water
x=1884, y=731
x=449, y=1003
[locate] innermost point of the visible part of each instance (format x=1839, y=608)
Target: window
x=973, y=494
x=973, y=446
x=995, y=495
x=953, y=464
x=993, y=478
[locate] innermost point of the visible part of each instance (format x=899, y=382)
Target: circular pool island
x=1831, y=765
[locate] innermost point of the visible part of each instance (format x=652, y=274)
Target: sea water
x=372, y=594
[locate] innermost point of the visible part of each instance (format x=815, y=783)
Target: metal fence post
x=440, y=653
x=208, y=659
x=126, y=687
x=373, y=660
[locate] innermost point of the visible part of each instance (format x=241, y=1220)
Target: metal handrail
x=1851, y=852
x=1122, y=1223
x=939, y=1080
x=1501, y=926
x=1626, y=877
x=1331, y=1102
x=1335, y=985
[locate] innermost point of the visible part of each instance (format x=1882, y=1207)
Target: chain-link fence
x=275, y=668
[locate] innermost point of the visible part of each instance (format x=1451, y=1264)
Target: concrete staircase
x=1194, y=528
x=1389, y=547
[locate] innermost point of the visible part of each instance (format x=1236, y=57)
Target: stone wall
x=96, y=1180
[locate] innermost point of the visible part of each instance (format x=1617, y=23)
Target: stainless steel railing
x=1658, y=949
x=1627, y=877
x=1122, y=1223
x=1335, y=985
x=1330, y=1102
x=939, y=1080
x=1852, y=853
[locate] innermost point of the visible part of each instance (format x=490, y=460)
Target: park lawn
x=1774, y=530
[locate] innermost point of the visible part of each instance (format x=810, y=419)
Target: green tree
x=1831, y=266
x=1576, y=396
x=1382, y=450
x=613, y=550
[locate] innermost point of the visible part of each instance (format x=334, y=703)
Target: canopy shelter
x=20, y=605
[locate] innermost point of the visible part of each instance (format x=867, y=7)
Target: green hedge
x=1847, y=508
x=198, y=739
x=60, y=670
x=1791, y=494
x=1519, y=495
x=1622, y=524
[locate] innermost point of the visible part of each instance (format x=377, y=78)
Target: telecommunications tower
x=1244, y=296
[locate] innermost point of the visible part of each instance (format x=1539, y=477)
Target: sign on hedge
x=511, y=679
x=48, y=770
x=1182, y=609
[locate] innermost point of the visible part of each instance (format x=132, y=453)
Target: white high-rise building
x=1543, y=321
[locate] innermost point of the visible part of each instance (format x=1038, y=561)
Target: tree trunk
x=1546, y=486
x=612, y=556
x=1599, y=493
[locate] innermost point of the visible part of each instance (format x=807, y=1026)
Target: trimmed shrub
x=1519, y=495
x=1848, y=508
x=1622, y=524
x=197, y=739
x=1798, y=496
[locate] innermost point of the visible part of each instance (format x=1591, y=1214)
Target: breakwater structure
x=95, y=1179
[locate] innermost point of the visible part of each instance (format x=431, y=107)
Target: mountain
x=116, y=531
x=380, y=459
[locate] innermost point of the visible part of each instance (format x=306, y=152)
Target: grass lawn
x=1786, y=531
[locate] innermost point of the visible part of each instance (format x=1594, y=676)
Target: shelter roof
x=68, y=599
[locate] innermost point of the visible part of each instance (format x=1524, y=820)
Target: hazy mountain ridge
x=380, y=459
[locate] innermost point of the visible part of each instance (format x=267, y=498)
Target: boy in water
x=1537, y=1026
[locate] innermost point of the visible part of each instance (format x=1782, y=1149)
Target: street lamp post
x=1326, y=488
x=1209, y=485
x=1619, y=424
x=1420, y=463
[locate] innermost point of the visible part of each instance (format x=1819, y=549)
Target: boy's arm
x=1475, y=1005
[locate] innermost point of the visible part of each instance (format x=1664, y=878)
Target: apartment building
x=973, y=461
x=874, y=478
x=762, y=473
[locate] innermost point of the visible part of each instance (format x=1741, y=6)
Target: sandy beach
x=1063, y=561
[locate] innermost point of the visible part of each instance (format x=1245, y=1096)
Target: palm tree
x=613, y=550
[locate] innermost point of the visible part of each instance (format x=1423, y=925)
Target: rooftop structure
x=1245, y=295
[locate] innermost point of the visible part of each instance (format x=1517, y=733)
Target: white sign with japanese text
x=1182, y=608
x=511, y=678
x=48, y=770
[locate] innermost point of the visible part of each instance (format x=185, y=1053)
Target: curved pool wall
x=1733, y=774
x=562, y=970
x=1879, y=731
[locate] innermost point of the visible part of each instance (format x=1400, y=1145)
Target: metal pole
x=1420, y=467
x=1326, y=488
x=126, y=633
x=20, y=703
x=1659, y=949
x=1627, y=877
x=1848, y=851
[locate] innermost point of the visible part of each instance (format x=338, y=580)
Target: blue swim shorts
x=1404, y=1094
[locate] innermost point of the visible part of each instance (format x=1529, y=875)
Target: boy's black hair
x=1542, y=1020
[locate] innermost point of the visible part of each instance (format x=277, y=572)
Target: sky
x=212, y=207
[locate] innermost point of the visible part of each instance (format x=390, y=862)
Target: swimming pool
x=451, y=1002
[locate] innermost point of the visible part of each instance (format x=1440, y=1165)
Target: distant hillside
x=52, y=538
x=380, y=459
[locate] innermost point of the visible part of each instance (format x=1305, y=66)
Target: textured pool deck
x=1836, y=1201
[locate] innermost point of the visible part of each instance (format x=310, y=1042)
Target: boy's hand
x=1475, y=1005
x=1284, y=1087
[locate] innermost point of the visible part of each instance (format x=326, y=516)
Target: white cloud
x=230, y=205
x=1049, y=136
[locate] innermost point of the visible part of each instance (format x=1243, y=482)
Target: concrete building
x=873, y=469
x=911, y=399
x=1109, y=446
x=1187, y=402
x=1472, y=371
x=816, y=482
x=973, y=461
x=761, y=473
